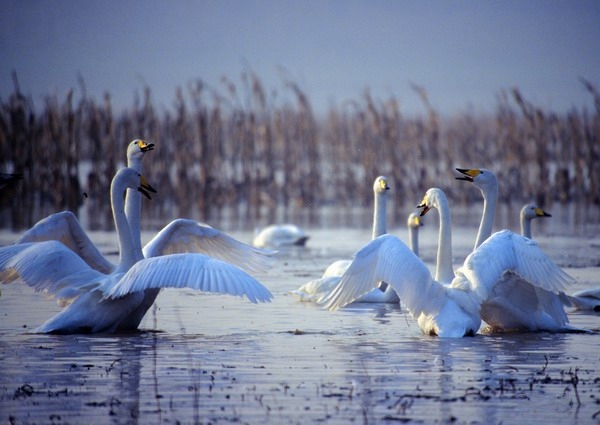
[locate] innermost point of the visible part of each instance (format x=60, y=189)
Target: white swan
x=99, y=302
x=280, y=235
x=516, y=304
x=317, y=288
x=9, y=178
x=64, y=226
x=586, y=299
x=528, y=213
x=453, y=310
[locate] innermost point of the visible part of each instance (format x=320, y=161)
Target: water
x=202, y=358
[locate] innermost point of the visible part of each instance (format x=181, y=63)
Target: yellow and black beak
x=145, y=187
x=145, y=147
x=541, y=213
x=468, y=174
x=424, y=206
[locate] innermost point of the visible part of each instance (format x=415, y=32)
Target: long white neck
x=444, y=270
x=126, y=254
x=380, y=214
x=490, y=198
x=133, y=211
x=525, y=226
x=413, y=239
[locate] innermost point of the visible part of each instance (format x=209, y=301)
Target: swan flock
x=507, y=283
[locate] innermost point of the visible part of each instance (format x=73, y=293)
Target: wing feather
x=188, y=236
x=385, y=258
x=48, y=267
x=64, y=227
x=195, y=271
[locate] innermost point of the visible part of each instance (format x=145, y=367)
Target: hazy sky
x=462, y=52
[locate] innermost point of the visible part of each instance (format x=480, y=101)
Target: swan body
x=528, y=213
x=280, y=235
x=516, y=301
x=314, y=290
x=490, y=284
x=100, y=302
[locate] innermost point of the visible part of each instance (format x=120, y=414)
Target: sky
x=463, y=53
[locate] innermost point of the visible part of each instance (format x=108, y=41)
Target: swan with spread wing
x=451, y=304
x=516, y=302
x=315, y=289
x=107, y=302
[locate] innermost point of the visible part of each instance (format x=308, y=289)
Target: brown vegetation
x=245, y=154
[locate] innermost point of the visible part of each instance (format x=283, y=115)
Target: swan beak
x=145, y=187
x=469, y=174
x=426, y=208
x=541, y=213
x=145, y=147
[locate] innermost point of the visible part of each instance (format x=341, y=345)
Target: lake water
x=202, y=358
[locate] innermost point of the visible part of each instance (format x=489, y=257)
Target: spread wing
x=183, y=236
x=195, y=271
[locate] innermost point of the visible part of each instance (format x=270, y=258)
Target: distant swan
x=317, y=288
x=99, y=302
x=528, y=213
x=452, y=310
x=280, y=235
x=517, y=304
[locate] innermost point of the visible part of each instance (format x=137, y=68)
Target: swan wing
x=195, y=271
x=188, y=236
x=49, y=267
x=65, y=227
x=507, y=252
x=385, y=258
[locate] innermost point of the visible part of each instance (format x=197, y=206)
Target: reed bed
x=255, y=156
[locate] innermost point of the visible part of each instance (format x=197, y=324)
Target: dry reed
x=257, y=156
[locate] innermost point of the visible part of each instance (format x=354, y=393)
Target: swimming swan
x=317, y=288
x=280, y=235
x=528, y=213
x=516, y=304
x=100, y=302
x=449, y=304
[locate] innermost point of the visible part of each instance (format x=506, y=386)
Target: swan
x=99, y=302
x=503, y=309
x=586, y=299
x=449, y=304
x=9, y=178
x=317, y=288
x=64, y=226
x=280, y=235
x=528, y=213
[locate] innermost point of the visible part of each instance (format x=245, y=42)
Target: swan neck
x=126, y=257
x=413, y=240
x=525, y=227
x=444, y=269
x=380, y=215
x=490, y=197
x=133, y=212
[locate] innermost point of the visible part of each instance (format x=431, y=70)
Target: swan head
x=480, y=177
x=414, y=221
x=381, y=185
x=137, y=148
x=128, y=178
x=531, y=211
x=433, y=198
